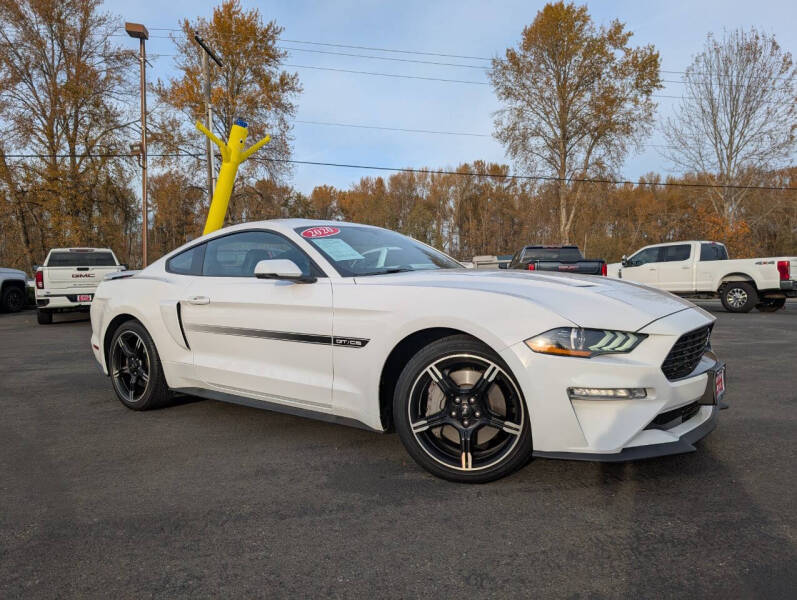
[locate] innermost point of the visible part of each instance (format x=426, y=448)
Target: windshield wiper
x=385, y=271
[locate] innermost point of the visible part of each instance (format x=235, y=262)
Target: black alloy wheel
x=460, y=413
x=135, y=368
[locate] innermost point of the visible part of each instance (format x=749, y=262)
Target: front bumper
x=707, y=418
x=621, y=429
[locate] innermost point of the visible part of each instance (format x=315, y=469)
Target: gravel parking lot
x=210, y=499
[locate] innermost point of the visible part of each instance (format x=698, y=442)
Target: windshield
x=560, y=254
x=81, y=258
x=357, y=251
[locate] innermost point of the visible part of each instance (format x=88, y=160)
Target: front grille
x=673, y=418
x=686, y=353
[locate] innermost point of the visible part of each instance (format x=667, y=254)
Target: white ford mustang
x=476, y=370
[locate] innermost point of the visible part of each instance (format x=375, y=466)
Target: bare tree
x=737, y=119
x=576, y=98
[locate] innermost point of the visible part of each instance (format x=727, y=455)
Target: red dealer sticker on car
x=319, y=232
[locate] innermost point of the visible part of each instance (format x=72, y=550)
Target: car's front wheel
x=460, y=413
x=135, y=368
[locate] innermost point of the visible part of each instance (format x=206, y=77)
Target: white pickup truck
x=68, y=278
x=701, y=269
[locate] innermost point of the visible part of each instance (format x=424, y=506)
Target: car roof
x=81, y=249
x=685, y=242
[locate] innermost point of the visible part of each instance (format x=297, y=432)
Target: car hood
x=8, y=272
x=586, y=300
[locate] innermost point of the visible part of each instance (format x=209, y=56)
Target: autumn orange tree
x=65, y=104
x=575, y=98
x=250, y=85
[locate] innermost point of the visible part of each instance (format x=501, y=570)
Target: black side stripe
x=286, y=336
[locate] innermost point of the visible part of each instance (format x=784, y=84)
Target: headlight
x=584, y=343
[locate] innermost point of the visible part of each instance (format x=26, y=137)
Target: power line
x=387, y=74
x=383, y=128
x=431, y=131
x=419, y=52
x=390, y=58
x=435, y=171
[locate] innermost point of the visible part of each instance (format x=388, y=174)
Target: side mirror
x=124, y=267
x=36, y=268
x=624, y=261
x=281, y=268
x=503, y=265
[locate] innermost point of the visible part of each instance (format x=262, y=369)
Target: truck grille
x=686, y=353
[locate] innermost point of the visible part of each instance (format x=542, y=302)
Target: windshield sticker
x=320, y=232
x=337, y=249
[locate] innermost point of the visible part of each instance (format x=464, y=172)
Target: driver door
x=642, y=267
x=261, y=338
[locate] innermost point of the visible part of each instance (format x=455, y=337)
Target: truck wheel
x=770, y=306
x=13, y=299
x=44, y=317
x=738, y=296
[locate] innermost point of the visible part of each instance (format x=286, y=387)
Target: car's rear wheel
x=773, y=305
x=44, y=317
x=13, y=299
x=135, y=368
x=739, y=296
x=460, y=413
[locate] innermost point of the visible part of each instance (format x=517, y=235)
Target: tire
x=455, y=422
x=135, y=368
x=738, y=296
x=13, y=299
x=44, y=317
x=770, y=306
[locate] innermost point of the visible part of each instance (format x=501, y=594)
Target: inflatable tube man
x=232, y=155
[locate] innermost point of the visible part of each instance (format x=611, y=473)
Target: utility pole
x=206, y=70
x=136, y=30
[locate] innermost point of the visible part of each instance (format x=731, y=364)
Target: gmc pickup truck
x=67, y=280
x=701, y=269
x=564, y=259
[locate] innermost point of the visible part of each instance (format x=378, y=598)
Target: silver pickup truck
x=68, y=278
x=13, y=292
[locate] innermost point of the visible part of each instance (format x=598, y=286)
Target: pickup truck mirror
x=124, y=267
x=281, y=268
x=624, y=261
x=503, y=265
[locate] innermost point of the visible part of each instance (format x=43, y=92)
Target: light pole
x=137, y=30
x=206, y=69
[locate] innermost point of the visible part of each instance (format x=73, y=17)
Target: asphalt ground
x=205, y=499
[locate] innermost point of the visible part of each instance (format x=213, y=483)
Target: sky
x=480, y=30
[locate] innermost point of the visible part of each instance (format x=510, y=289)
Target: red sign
x=319, y=232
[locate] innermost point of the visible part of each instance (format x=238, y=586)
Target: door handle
x=198, y=300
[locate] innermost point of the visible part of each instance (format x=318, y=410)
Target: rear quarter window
x=710, y=252
x=81, y=259
x=188, y=262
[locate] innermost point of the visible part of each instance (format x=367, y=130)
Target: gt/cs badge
x=351, y=342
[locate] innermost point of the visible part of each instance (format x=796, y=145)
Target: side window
x=713, y=252
x=643, y=257
x=675, y=253
x=237, y=254
x=188, y=262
